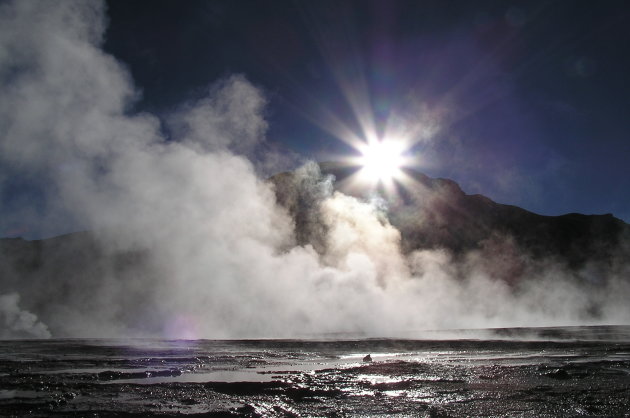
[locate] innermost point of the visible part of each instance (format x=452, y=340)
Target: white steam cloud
x=222, y=254
x=18, y=323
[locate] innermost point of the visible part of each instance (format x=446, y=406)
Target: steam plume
x=18, y=323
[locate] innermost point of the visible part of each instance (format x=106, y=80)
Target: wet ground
x=581, y=371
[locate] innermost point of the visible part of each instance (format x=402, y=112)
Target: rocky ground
x=315, y=378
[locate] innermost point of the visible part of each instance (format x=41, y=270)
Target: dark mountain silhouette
x=434, y=213
x=76, y=272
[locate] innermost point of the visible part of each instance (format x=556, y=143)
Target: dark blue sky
x=530, y=99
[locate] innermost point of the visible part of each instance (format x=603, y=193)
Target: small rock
x=367, y=358
x=69, y=395
x=559, y=374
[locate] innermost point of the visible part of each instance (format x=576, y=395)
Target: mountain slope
x=434, y=213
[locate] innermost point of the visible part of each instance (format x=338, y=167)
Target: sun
x=382, y=160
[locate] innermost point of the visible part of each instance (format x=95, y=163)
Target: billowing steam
x=18, y=323
x=223, y=258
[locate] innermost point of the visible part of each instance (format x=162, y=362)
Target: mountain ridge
x=435, y=213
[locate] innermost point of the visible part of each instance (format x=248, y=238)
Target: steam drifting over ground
x=17, y=322
x=222, y=255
